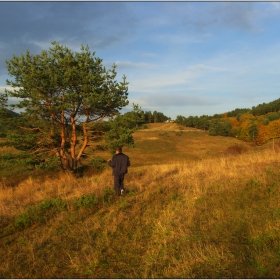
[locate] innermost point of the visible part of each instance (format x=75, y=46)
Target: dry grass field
x=196, y=207
x=164, y=143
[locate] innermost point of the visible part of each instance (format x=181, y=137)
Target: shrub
x=179, y=133
x=86, y=201
x=236, y=149
x=98, y=163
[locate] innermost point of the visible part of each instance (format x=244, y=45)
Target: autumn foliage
x=267, y=132
x=258, y=125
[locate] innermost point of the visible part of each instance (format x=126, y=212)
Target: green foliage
x=253, y=131
x=52, y=163
x=219, y=127
x=238, y=111
x=273, y=116
x=50, y=208
x=255, y=182
x=120, y=133
x=41, y=213
x=130, y=193
x=245, y=124
x=134, y=118
x=274, y=188
x=107, y=195
x=98, y=163
x=202, y=122
x=155, y=117
x=122, y=203
x=122, y=127
x=8, y=120
x=266, y=108
x=89, y=201
x=75, y=89
x=26, y=160
x=3, y=102
x=9, y=159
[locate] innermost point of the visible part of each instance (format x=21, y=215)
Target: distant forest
x=131, y=119
x=258, y=124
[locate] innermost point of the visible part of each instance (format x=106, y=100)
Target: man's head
x=118, y=150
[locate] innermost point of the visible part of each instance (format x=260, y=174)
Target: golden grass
x=209, y=217
x=167, y=143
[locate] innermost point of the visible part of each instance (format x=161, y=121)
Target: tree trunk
x=73, y=143
x=86, y=139
x=62, y=152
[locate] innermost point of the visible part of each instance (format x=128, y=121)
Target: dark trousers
x=118, y=183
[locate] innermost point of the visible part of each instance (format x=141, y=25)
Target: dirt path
x=169, y=127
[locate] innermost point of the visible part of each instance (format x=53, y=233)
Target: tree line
x=258, y=124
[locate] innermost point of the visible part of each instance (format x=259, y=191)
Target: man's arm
x=110, y=163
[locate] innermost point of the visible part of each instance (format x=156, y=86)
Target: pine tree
x=60, y=91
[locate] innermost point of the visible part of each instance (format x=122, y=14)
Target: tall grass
x=208, y=218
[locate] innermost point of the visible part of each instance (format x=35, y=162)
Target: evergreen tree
x=155, y=117
x=149, y=116
x=61, y=90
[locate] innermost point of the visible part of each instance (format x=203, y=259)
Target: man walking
x=119, y=163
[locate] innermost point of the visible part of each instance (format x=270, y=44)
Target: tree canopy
x=61, y=90
x=259, y=124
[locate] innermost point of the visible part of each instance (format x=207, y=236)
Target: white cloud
x=154, y=82
x=174, y=100
x=141, y=65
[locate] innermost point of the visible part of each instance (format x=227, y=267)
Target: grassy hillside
x=168, y=143
x=195, y=208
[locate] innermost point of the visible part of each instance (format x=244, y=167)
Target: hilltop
x=169, y=126
x=170, y=142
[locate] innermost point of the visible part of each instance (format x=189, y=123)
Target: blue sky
x=180, y=58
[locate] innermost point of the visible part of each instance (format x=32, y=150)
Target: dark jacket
x=119, y=163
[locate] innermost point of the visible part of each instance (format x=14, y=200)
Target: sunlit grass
x=209, y=217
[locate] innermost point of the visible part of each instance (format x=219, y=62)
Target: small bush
x=179, y=133
x=107, y=195
x=98, y=163
x=50, y=164
x=86, y=201
x=48, y=208
x=235, y=150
